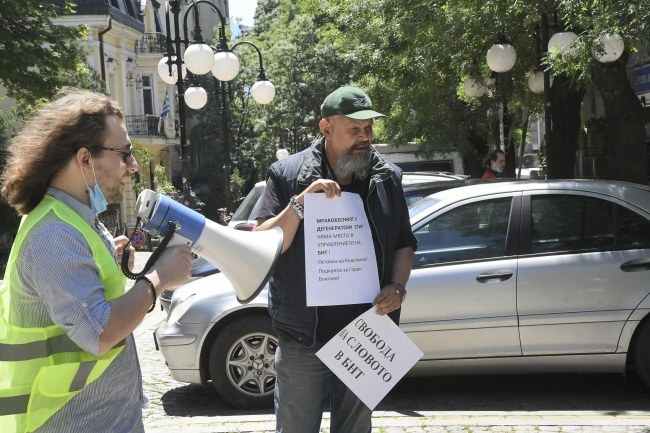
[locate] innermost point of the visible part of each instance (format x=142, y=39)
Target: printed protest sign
x=370, y=356
x=340, y=262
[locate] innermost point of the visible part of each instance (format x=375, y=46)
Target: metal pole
x=548, y=129
x=185, y=158
x=226, y=143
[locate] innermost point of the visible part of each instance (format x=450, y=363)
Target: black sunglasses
x=126, y=153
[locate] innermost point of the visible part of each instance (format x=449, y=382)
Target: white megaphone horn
x=246, y=258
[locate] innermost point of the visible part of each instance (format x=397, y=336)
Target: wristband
x=296, y=207
x=152, y=289
x=400, y=289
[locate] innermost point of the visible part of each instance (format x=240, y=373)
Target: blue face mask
x=98, y=202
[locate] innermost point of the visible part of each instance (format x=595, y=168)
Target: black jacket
x=387, y=209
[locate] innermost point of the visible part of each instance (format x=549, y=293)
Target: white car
x=509, y=277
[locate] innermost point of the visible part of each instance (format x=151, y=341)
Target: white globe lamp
x=163, y=71
x=196, y=97
x=536, y=82
x=501, y=57
x=226, y=66
x=199, y=58
x=613, y=47
x=281, y=153
x=562, y=43
x=263, y=91
x=472, y=88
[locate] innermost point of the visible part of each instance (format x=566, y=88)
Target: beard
x=351, y=164
x=110, y=189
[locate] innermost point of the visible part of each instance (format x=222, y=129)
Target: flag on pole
x=164, y=113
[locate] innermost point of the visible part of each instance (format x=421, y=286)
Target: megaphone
x=246, y=258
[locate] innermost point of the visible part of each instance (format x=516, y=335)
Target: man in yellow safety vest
x=68, y=361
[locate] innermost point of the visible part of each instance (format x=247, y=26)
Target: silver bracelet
x=296, y=207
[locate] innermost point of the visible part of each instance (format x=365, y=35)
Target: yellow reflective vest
x=41, y=369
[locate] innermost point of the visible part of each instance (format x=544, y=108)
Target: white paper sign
x=370, y=356
x=340, y=262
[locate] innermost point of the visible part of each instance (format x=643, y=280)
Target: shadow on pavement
x=558, y=392
x=608, y=393
x=196, y=400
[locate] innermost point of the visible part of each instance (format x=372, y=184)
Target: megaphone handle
x=152, y=259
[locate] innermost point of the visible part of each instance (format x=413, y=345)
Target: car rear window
x=579, y=223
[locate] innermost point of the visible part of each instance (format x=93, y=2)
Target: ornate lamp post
x=200, y=58
x=297, y=138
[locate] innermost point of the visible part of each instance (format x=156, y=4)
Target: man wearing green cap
x=341, y=159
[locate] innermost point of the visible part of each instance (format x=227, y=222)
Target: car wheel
x=242, y=362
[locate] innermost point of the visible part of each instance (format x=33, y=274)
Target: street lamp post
x=501, y=57
x=200, y=58
x=297, y=137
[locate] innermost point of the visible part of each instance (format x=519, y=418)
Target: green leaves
x=38, y=56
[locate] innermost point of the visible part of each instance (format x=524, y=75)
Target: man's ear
x=83, y=158
x=325, y=127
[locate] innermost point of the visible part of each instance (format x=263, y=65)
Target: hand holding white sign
x=340, y=262
x=370, y=356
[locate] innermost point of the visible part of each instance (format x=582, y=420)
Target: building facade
x=126, y=40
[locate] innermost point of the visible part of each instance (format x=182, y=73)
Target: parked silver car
x=509, y=277
x=416, y=186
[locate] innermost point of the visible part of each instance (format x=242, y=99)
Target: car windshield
x=246, y=207
x=421, y=205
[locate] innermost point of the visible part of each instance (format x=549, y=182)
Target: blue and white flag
x=164, y=113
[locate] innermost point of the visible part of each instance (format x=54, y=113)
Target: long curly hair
x=74, y=119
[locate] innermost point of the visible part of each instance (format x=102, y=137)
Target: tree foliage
x=37, y=56
x=412, y=57
x=302, y=61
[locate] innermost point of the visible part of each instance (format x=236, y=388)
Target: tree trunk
x=565, y=115
x=625, y=122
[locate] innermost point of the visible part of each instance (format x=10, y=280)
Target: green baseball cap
x=349, y=101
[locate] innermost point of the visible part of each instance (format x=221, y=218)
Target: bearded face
x=357, y=164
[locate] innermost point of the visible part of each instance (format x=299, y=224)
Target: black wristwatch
x=400, y=288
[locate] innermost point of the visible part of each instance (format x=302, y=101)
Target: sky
x=244, y=9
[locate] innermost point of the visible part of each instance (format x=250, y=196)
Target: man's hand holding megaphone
x=172, y=268
x=223, y=247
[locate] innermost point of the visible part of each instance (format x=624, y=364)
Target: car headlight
x=180, y=309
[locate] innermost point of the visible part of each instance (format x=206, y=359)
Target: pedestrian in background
x=342, y=159
x=495, y=163
x=68, y=360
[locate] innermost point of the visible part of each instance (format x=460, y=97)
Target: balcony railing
x=146, y=125
x=151, y=43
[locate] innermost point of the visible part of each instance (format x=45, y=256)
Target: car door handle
x=636, y=265
x=498, y=275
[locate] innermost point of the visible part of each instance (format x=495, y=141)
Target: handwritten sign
x=370, y=356
x=340, y=262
